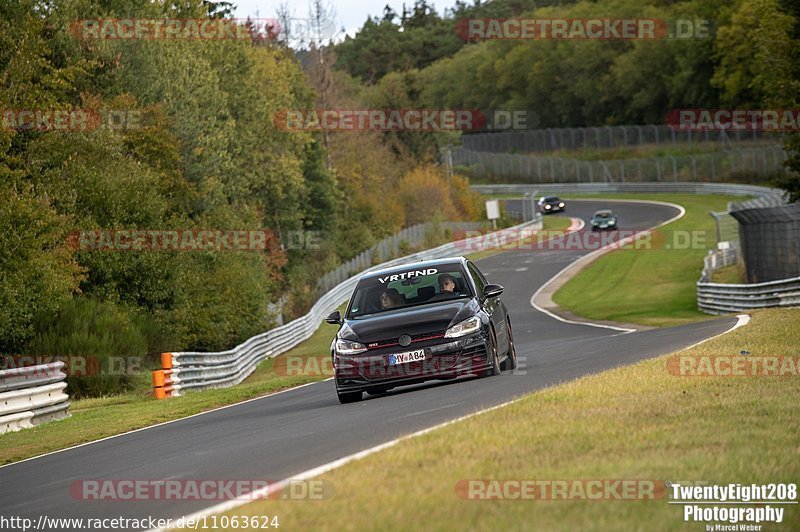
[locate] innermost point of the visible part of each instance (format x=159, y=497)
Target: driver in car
x=447, y=283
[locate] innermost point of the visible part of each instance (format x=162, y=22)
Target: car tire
x=349, y=397
x=495, y=369
x=510, y=363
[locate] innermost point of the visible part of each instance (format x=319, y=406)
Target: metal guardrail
x=717, y=298
x=198, y=371
x=553, y=139
x=32, y=395
x=719, y=166
x=729, y=189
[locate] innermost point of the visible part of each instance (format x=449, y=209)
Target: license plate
x=405, y=358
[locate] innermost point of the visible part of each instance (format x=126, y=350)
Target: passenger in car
x=391, y=298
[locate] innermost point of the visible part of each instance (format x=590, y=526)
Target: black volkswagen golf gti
x=428, y=320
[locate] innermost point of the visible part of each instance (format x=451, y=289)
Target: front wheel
x=495, y=369
x=511, y=360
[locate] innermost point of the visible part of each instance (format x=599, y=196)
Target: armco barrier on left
x=32, y=395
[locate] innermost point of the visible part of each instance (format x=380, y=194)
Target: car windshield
x=551, y=199
x=603, y=214
x=408, y=288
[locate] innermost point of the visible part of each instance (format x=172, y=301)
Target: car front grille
x=421, y=337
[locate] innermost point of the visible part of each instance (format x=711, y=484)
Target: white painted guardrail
x=32, y=395
x=728, y=189
x=719, y=298
x=228, y=368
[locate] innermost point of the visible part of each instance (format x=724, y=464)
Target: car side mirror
x=492, y=290
x=334, y=318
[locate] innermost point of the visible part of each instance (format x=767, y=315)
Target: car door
x=493, y=307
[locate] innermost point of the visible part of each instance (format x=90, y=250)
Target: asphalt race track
x=279, y=436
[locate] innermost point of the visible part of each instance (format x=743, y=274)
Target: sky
x=349, y=14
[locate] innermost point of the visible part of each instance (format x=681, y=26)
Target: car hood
x=433, y=317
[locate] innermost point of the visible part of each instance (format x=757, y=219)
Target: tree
x=758, y=66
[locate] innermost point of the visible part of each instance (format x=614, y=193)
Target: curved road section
x=275, y=437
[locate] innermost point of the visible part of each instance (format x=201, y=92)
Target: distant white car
x=548, y=204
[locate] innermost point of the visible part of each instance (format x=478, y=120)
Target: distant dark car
x=548, y=204
x=428, y=320
x=604, y=219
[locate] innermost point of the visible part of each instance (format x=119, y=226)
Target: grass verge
x=634, y=422
x=733, y=274
x=92, y=419
x=656, y=286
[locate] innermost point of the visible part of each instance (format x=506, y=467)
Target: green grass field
x=639, y=422
x=733, y=274
x=649, y=286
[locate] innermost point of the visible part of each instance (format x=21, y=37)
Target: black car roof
x=416, y=265
x=604, y=212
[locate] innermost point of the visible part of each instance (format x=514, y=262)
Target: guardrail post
x=165, y=380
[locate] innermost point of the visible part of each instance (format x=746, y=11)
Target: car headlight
x=612, y=222
x=561, y=205
x=346, y=347
x=547, y=207
x=468, y=326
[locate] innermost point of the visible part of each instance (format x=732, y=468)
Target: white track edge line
x=626, y=330
x=164, y=423
x=742, y=320
x=262, y=493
